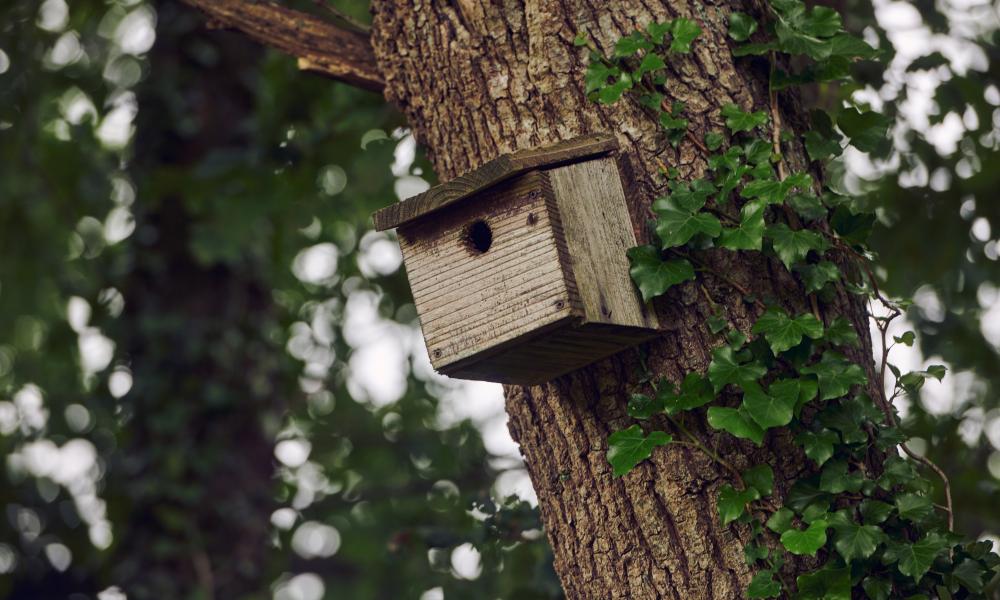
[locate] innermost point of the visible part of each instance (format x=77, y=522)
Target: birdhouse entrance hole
x=479, y=236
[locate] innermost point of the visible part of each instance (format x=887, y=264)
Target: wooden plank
x=598, y=232
x=490, y=174
x=471, y=301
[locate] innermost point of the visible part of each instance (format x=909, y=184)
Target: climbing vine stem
x=860, y=509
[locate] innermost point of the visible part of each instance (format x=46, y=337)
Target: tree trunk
x=477, y=79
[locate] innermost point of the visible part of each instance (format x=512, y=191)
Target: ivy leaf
x=757, y=151
x=805, y=542
x=749, y=235
x=684, y=31
x=657, y=30
x=651, y=62
x=631, y=44
x=855, y=541
x=874, y=512
x=815, y=277
x=760, y=478
x=792, y=245
x=914, y=507
x=841, y=333
x=915, y=559
x=610, y=94
x=598, y=74
x=713, y=140
x=732, y=502
x=835, y=478
x=641, y=406
x=818, y=446
x=850, y=46
x=695, y=392
x=763, y=585
x=737, y=120
x=807, y=205
x=820, y=147
x=877, y=588
x=836, y=375
x=717, y=322
x=741, y=26
x=828, y=583
x=868, y=130
x=678, y=223
x=653, y=275
x=971, y=573
x=822, y=22
x=629, y=447
x=769, y=410
x=735, y=422
x=724, y=369
x=906, y=339
x=805, y=492
x=780, y=521
x=783, y=332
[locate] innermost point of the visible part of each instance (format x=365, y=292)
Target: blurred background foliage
x=212, y=382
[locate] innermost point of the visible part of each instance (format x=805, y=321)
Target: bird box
x=518, y=269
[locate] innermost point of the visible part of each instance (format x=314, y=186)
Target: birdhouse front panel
x=518, y=269
x=489, y=270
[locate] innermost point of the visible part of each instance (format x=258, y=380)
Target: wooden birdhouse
x=518, y=268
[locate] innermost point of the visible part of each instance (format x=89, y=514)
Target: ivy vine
x=871, y=523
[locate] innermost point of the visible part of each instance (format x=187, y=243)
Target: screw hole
x=532, y=218
x=479, y=236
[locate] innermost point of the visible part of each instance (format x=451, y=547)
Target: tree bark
x=477, y=79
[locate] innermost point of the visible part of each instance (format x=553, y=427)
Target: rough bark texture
x=479, y=78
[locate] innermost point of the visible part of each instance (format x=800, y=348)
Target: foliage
x=873, y=523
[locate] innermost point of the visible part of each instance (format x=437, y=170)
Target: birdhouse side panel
x=489, y=270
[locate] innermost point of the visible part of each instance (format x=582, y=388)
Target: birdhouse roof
x=495, y=171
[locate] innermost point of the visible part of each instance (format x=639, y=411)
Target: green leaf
x=760, y=478
x=713, y=140
x=805, y=542
x=598, y=74
x=914, y=507
x=754, y=49
x=868, y=131
x=695, y=392
x=657, y=30
x=752, y=553
x=684, y=31
x=915, y=559
x=807, y=205
x=836, y=375
x=678, y=223
x=815, y=277
x=877, y=588
x=822, y=22
x=651, y=62
x=724, y=369
x=717, y=322
x=820, y=147
x=631, y=44
x=792, y=245
x=835, y=478
x=653, y=275
x=971, y=574
x=770, y=410
x=763, y=585
x=735, y=422
x=818, y=446
x=841, y=333
x=641, y=406
x=804, y=493
x=629, y=447
x=874, y=512
x=780, y=521
x=849, y=46
x=610, y=94
x=906, y=339
x=737, y=120
x=732, y=502
x=855, y=541
x=741, y=26
x=581, y=39
x=749, y=235
x=783, y=332
x=827, y=584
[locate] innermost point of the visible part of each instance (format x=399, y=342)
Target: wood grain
x=598, y=234
x=495, y=171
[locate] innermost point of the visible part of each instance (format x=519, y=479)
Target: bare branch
x=320, y=46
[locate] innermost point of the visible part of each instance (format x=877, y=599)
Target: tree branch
x=320, y=46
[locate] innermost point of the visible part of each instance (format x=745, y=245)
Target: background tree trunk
x=477, y=79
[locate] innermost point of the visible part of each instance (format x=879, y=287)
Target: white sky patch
x=466, y=562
